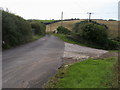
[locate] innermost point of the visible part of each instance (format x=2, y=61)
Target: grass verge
x=86, y=74
x=68, y=39
x=35, y=37
x=82, y=42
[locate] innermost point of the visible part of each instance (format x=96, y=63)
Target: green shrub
x=15, y=30
x=39, y=28
x=93, y=32
x=96, y=33
x=63, y=30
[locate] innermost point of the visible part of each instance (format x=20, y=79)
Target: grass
x=114, y=50
x=45, y=21
x=73, y=41
x=64, y=38
x=35, y=37
x=82, y=42
x=86, y=74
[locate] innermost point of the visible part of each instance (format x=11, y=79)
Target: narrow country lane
x=31, y=65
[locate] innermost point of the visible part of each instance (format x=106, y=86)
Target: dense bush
x=63, y=30
x=39, y=28
x=96, y=33
x=15, y=30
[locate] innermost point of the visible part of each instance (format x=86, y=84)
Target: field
x=112, y=25
x=44, y=21
x=67, y=24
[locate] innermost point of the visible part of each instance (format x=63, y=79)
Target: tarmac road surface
x=31, y=65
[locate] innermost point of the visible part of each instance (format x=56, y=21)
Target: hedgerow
x=96, y=33
x=15, y=30
x=38, y=27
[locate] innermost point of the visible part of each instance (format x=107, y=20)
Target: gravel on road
x=73, y=52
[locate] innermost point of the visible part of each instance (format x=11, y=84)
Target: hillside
x=113, y=26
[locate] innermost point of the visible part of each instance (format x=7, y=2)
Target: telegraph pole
x=89, y=16
x=62, y=19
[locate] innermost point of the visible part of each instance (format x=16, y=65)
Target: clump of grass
x=35, y=37
x=87, y=74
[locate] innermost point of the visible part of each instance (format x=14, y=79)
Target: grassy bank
x=82, y=42
x=73, y=41
x=66, y=39
x=87, y=74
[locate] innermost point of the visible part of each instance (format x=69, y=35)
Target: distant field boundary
x=47, y=23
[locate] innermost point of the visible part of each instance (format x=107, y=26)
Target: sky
x=51, y=9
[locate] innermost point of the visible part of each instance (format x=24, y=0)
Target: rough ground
x=73, y=53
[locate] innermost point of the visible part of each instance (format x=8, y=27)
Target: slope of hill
x=112, y=25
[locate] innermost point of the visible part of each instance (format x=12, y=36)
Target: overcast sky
x=51, y=9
